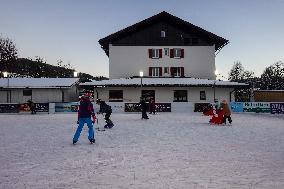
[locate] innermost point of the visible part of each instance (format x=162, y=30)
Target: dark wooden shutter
x=160, y=71
x=182, y=71
x=182, y=53
x=150, y=71
x=171, y=53
x=172, y=71
x=150, y=53
x=160, y=53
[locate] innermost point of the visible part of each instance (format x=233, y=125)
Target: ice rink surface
x=169, y=150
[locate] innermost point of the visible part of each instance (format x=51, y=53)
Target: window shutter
x=182, y=71
x=160, y=53
x=150, y=71
x=172, y=72
x=182, y=53
x=160, y=71
x=171, y=53
x=150, y=53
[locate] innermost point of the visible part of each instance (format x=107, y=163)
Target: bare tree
x=8, y=49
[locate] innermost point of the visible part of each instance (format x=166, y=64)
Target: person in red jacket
x=217, y=117
x=85, y=112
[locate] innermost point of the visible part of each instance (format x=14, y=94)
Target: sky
x=69, y=30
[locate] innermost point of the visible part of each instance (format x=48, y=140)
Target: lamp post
x=214, y=88
x=5, y=74
x=141, y=76
x=214, y=84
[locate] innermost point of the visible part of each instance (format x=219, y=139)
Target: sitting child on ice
x=217, y=117
x=208, y=110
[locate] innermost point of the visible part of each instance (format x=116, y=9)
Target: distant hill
x=23, y=67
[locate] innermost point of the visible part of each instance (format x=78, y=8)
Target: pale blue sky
x=70, y=29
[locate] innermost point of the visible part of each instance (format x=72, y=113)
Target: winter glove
x=94, y=119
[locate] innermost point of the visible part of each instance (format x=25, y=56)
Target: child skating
x=85, y=112
x=104, y=108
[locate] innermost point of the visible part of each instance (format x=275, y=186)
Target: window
x=116, y=95
x=177, y=53
x=163, y=34
x=27, y=92
x=155, y=71
x=155, y=53
x=167, y=51
x=176, y=71
x=180, y=96
x=166, y=70
x=202, y=95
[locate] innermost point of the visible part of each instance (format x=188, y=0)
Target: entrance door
x=147, y=94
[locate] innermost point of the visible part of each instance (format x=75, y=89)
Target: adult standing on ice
x=85, y=112
x=152, y=106
x=143, y=106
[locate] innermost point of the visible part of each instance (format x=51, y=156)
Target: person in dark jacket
x=104, y=108
x=85, y=112
x=143, y=106
x=31, y=104
x=152, y=106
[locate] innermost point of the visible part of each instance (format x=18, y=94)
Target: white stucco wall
x=128, y=61
x=166, y=94
x=41, y=95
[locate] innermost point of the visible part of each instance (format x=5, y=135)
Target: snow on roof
x=258, y=90
x=37, y=82
x=163, y=81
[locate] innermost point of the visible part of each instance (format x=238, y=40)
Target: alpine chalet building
x=175, y=57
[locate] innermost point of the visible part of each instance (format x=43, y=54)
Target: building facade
x=175, y=57
x=39, y=90
x=162, y=61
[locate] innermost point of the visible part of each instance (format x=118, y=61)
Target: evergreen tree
x=239, y=74
x=273, y=77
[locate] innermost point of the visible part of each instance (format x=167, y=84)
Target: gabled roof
x=162, y=82
x=38, y=82
x=166, y=17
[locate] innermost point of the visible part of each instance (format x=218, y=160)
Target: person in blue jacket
x=85, y=112
x=104, y=108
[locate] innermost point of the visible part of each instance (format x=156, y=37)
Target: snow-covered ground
x=169, y=150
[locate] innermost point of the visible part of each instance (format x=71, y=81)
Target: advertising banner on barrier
x=42, y=107
x=135, y=107
x=200, y=107
x=9, y=108
x=24, y=107
x=66, y=107
x=237, y=106
x=258, y=107
x=277, y=108
x=39, y=107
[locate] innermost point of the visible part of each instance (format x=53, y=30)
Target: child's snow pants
x=82, y=121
